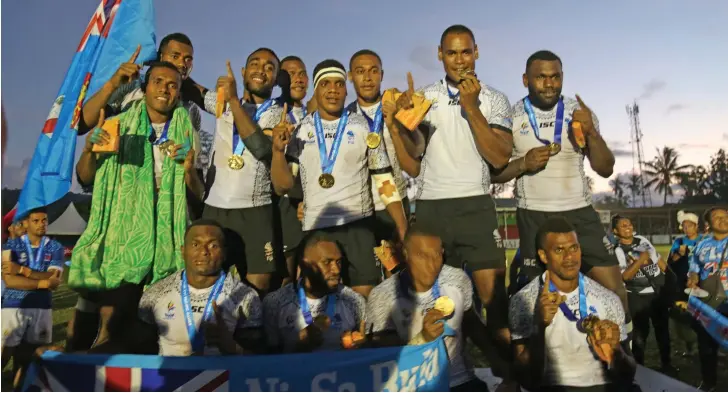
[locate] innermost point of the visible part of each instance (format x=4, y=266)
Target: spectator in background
x=678, y=262
x=708, y=258
x=643, y=273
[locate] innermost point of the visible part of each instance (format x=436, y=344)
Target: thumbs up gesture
x=228, y=85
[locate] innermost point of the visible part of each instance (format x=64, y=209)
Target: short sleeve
x=57, y=257
x=675, y=245
x=210, y=100
x=614, y=312
x=377, y=159
x=379, y=310
x=270, y=118
x=521, y=314
x=500, y=112
x=252, y=311
x=621, y=258
x=146, y=308
x=694, y=263
x=654, y=256
x=270, y=320
x=357, y=305
x=467, y=290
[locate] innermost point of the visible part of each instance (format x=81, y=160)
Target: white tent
x=69, y=223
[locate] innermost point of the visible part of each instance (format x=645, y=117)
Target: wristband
x=44, y=284
x=24, y=271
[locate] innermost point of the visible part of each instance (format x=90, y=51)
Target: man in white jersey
x=466, y=132
x=329, y=150
x=313, y=313
x=549, y=166
x=293, y=72
x=239, y=195
x=366, y=73
x=555, y=347
x=200, y=310
x=401, y=310
x=643, y=271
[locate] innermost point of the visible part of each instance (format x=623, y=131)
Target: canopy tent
x=69, y=223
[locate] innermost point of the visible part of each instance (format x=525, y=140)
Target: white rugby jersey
x=284, y=319
x=388, y=308
x=452, y=167
x=161, y=305
x=251, y=185
x=397, y=173
x=350, y=198
x=562, y=185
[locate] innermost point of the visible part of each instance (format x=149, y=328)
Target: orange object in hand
x=410, y=118
x=111, y=126
x=578, y=134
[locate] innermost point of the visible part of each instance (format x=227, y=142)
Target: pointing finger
x=284, y=114
x=230, y=70
x=581, y=103
x=410, y=83
x=546, y=282
x=134, y=55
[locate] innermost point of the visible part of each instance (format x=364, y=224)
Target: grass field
x=64, y=300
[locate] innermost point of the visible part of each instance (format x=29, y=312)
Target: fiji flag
x=112, y=35
x=50, y=376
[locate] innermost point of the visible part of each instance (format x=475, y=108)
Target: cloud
x=651, y=88
x=425, y=57
x=622, y=153
x=725, y=136
x=675, y=108
x=620, y=148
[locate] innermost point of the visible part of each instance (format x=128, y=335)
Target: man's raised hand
x=282, y=132
x=548, y=302
x=584, y=116
x=228, y=85
x=98, y=136
x=127, y=71
x=469, y=88
x=405, y=100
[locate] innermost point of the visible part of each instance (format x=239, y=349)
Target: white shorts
x=31, y=325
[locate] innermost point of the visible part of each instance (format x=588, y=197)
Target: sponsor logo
x=524, y=128
x=23, y=257
x=350, y=137
x=170, y=311
x=497, y=238
x=268, y=250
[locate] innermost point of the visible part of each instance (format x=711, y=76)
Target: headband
x=328, y=72
x=682, y=217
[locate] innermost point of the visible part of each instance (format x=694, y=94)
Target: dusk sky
x=667, y=54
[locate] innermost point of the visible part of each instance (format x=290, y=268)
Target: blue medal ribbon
x=375, y=125
x=558, y=124
x=238, y=146
x=34, y=262
x=196, y=339
x=328, y=161
x=162, y=138
x=306, y=311
x=582, y=302
x=454, y=98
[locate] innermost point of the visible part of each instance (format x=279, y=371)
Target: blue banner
x=714, y=322
x=422, y=368
x=116, y=28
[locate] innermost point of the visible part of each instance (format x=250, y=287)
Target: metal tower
x=637, y=153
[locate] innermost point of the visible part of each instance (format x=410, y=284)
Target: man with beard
x=366, y=73
x=239, y=195
x=314, y=312
x=136, y=226
x=545, y=136
x=336, y=174
x=466, y=132
x=568, y=331
x=31, y=271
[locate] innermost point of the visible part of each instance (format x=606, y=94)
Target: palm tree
x=634, y=185
x=618, y=188
x=694, y=182
x=663, y=171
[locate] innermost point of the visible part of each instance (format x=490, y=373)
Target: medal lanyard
x=375, y=125
x=293, y=118
x=558, y=124
x=34, y=262
x=449, y=93
x=306, y=311
x=582, y=301
x=196, y=339
x=328, y=161
x=162, y=138
x=238, y=146
x=405, y=283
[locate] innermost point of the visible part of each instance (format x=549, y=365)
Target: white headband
x=328, y=72
x=682, y=217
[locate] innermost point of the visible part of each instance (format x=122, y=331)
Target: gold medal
x=445, y=305
x=554, y=149
x=235, y=162
x=166, y=147
x=326, y=180
x=373, y=140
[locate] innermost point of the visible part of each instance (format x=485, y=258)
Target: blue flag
x=116, y=28
x=422, y=368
